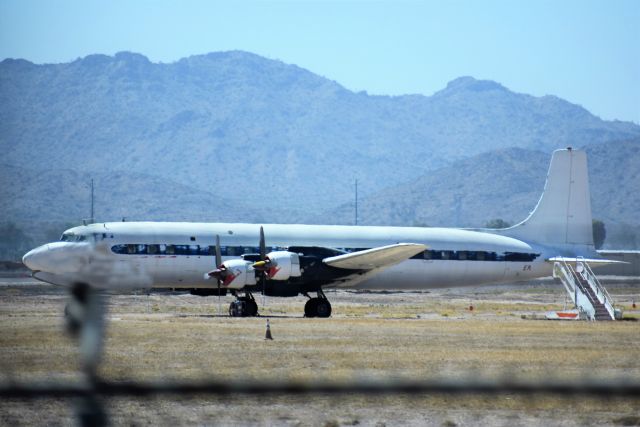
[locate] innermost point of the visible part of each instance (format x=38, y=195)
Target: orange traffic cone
x=268, y=335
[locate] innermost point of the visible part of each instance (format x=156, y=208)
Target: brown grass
x=370, y=336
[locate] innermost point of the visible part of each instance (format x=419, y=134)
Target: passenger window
x=480, y=256
x=171, y=250
x=119, y=249
x=152, y=249
x=206, y=250
x=182, y=250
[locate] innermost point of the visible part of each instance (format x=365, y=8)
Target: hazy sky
x=587, y=52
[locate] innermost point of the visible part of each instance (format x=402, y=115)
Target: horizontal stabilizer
x=384, y=256
x=590, y=261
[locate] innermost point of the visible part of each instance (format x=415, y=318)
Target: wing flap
x=383, y=256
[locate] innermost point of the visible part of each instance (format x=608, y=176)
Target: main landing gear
x=245, y=306
x=317, y=307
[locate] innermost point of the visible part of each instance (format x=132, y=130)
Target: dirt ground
x=406, y=335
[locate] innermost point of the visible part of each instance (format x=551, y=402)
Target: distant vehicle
x=293, y=259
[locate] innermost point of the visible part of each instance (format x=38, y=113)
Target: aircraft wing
x=375, y=258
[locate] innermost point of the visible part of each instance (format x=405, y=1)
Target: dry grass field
x=371, y=335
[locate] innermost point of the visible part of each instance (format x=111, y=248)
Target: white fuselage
x=176, y=255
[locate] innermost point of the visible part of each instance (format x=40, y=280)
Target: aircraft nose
x=33, y=259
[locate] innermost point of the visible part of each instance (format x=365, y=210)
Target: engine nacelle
x=239, y=274
x=284, y=265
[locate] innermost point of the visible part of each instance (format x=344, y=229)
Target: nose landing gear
x=317, y=307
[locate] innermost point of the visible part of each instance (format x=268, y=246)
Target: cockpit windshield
x=72, y=237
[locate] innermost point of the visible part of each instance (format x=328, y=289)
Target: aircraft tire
x=323, y=308
x=310, y=307
x=236, y=309
x=250, y=308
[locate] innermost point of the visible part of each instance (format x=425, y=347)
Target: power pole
x=356, y=201
x=92, y=204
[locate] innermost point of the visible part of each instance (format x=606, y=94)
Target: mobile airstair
x=585, y=290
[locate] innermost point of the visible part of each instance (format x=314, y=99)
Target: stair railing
x=568, y=276
x=600, y=291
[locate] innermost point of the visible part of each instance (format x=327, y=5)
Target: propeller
x=263, y=263
x=220, y=271
x=218, y=263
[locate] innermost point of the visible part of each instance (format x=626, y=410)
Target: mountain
x=261, y=133
x=505, y=184
x=64, y=196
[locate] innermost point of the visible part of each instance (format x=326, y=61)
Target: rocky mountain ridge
x=262, y=133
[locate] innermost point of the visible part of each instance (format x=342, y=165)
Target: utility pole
x=356, y=201
x=92, y=216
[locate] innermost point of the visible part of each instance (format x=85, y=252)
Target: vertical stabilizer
x=563, y=215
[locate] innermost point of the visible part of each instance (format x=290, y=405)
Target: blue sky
x=587, y=52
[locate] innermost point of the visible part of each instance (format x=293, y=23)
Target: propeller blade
x=263, y=263
x=263, y=247
x=218, y=255
x=218, y=264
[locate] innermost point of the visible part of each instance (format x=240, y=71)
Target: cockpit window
x=71, y=237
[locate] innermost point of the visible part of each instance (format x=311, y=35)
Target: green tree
x=599, y=233
x=497, y=223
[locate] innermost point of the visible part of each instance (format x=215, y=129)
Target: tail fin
x=562, y=217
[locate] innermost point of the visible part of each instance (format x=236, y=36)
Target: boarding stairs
x=585, y=290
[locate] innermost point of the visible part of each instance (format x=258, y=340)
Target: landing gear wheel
x=236, y=308
x=251, y=308
x=243, y=307
x=310, y=308
x=323, y=308
x=317, y=307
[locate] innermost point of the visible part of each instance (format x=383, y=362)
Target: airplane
x=220, y=258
